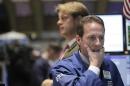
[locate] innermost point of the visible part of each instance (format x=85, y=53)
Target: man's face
x=66, y=24
x=93, y=37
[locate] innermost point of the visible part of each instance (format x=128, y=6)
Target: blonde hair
x=73, y=8
x=47, y=82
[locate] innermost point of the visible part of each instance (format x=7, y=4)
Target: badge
x=109, y=83
x=59, y=76
x=106, y=74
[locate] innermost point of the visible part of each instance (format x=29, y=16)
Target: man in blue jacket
x=87, y=67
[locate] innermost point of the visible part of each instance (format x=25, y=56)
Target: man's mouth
x=97, y=50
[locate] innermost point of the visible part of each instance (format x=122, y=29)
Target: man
x=40, y=69
x=53, y=52
x=69, y=15
x=87, y=67
x=42, y=65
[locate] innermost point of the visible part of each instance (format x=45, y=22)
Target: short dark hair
x=55, y=47
x=88, y=19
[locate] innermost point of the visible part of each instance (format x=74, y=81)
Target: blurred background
x=37, y=19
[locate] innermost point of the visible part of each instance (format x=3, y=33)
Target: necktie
x=66, y=47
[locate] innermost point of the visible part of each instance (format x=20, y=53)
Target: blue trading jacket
x=73, y=71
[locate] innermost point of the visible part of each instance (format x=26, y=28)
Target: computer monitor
x=123, y=64
x=113, y=33
x=128, y=34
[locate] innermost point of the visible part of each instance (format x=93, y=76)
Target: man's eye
x=92, y=38
x=101, y=38
x=64, y=18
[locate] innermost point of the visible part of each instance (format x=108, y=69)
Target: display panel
x=123, y=64
x=128, y=34
x=113, y=33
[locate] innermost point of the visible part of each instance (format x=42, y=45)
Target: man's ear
x=78, y=39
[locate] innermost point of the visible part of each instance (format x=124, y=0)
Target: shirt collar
x=84, y=58
x=71, y=42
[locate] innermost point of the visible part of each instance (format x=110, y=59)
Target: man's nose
x=59, y=22
x=98, y=42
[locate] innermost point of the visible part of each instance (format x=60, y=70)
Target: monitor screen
x=123, y=64
x=113, y=33
x=128, y=34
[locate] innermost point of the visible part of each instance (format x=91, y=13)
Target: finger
x=102, y=49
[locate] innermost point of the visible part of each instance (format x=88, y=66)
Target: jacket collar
x=70, y=43
x=78, y=61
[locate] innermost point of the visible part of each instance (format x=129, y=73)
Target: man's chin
x=62, y=35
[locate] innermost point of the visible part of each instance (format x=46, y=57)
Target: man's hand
x=96, y=57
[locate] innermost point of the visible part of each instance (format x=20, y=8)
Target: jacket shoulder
x=64, y=62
